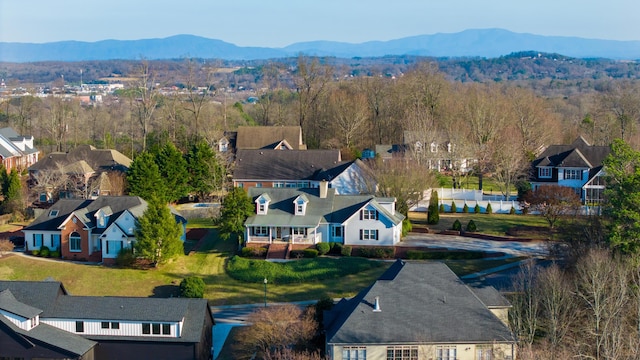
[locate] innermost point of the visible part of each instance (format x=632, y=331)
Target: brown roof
x=268, y=137
x=95, y=159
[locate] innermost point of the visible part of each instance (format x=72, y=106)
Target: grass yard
x=495, y=224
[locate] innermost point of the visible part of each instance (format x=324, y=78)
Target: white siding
x=463, y=351
x=352, y=181
x=19, y=321
x=46, y=239
x=94, y=327
x=127, y=222
x=385, y=227
x=114, y=234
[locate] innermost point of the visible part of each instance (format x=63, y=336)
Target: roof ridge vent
x=376, y=305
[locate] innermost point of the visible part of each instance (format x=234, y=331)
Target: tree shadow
x=166, y=291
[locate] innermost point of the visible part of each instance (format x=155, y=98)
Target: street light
x=265, y=292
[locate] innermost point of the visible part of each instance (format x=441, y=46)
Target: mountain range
x=484, y=43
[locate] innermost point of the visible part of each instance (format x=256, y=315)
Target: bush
x=442, y=208
x=489, y=209
x=376, y=252
x=125, y=258
x=512, y=211
x=476, y=209
x=457, y=226
x=253, y=252
x=310, y=253
x=454, y=209
x=55, y=254
x=465, y=208
x=406, y=226
x=192, y=287
x=296, y=254
x=323, y=248
x=471, y=226
x=346, y=250
x=35, y=252
x=336, y=248
x=433, y=216
x=44, y=251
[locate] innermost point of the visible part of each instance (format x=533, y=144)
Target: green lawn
x=321, y=277
x=495, y=224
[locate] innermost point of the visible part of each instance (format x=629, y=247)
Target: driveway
x=514, y=248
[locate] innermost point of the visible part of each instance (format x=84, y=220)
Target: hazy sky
x=277, y=23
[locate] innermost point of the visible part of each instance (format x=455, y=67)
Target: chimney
x=376, y=305
x=324, y=188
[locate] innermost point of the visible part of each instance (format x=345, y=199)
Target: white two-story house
x=313, y=215
x=578, y=166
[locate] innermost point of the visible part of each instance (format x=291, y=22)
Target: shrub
x=296, y=254
x=406, y=226
x=44, y=251
x=441, y=208
x=512, y=211
x=125, y=257
x=54, y=254
x=433, y=216
x=192, y=287
x=489, y=209
x=35, y=252
x=471, y=226
x=454, y=209
x=323, y=248
x=310, y=253
x=376, y=252
x=476, y=209
x=336, y=248
x=253, y=252
x=457, y=226
x=246, y=252
x=465, y=208
x=346, y=250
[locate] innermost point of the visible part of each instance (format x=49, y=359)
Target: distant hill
x=486, y=43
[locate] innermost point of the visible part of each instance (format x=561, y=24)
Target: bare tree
x=6, y=246
x=146, y=99
x=553, y=202
x=349, y=112
x=311, y=78
x=508, y=161
x=558, y=312
x=525, y=310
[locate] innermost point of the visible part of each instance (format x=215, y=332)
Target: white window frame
x=299, y=231
x=446, y=353
x=72, y=239
x=369, y=234
x=572, y=174
x=402, y=352
x=544, y=172
x=261, y=230
x=354, y=353
x=369, y=214
x=335, y=229
x=484, y=352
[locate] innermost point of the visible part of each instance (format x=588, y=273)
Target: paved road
x=515, y=248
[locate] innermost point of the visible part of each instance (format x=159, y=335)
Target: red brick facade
x=74, y=225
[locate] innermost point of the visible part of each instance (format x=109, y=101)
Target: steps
x=278, y=251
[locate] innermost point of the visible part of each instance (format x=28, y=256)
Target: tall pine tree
x=206, y=174
x=236, y=208
x=158, y=234
x=173, y=170
x=12, y=189
x=144, y=179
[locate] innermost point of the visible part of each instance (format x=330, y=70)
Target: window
x=544, y=172
x=104, y=325
x=260, y=230
x=115, y=325
x=278, y=184
x=368, y=234
x=258, y=185
x=402, y=353
x=79, y=326
x=146, y=328
x=166, y=329
x=37, y=240
x=354, y=353
x=53, y=213
x=55, y=241
x=300, y=209
x=299, y=231
x=572, y=174
x=434, y=147
x=446, y=353
x=75, y=242
x=114, y=247
x=337, y=231
x=155, y=329
x=369, y=214
x=484, y=352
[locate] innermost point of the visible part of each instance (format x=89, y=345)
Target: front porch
x=282, y=234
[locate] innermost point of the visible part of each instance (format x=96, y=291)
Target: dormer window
x=434, y=147
x=53, y=213
x=262, y=204
x=300, y=204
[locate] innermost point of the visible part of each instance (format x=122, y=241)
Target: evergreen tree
x=173, y=170
x=236, y=208
x=158, y=234
x=205, y=173
x=144, y=180
x=12, y=189
x=433, y=215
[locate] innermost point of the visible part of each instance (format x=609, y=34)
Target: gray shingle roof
x=10, y=304
x=60, y=339
x=283, y=164
x=421, y=302
x=39, y=294
x=578, y=154
x=260, y=137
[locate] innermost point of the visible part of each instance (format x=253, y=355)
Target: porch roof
x=284, y=220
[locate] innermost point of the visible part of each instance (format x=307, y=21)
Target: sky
x=278, y=23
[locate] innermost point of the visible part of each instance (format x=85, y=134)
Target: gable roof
x=262, y=137
x=283, y=165
x=38, y=294
x=418, y=302
x=96, y=159
x=578, y=154
x=9, y=303
x=85, y=211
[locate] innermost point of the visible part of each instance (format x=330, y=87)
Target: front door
x=279, y=233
